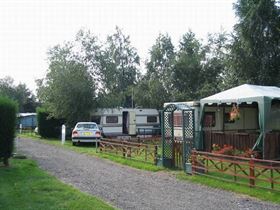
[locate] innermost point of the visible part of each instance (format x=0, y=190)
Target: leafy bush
x=48, y=127
x=8, y=110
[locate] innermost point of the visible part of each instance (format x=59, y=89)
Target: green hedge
x=8, y=111
x=48, y=127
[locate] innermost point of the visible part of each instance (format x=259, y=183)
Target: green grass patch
x=89, y=149
x=24, y=186
x=262, y=194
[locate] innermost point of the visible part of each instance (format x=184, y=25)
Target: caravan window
x=151, y=119
x=112, y=119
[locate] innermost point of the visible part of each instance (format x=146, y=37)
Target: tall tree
x=19, y=93
x=119, y=66
x=88, y=51
x=256, y=48
x=161, y=61
x=188, y=70
x=215, y=69
x=155, y=87
x=150, y=94
x=68, y=91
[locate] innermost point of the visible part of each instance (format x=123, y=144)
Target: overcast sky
x=29, y=27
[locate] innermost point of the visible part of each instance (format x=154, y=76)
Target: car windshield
x=87, y=126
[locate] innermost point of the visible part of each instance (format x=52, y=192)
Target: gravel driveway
x=128, y=188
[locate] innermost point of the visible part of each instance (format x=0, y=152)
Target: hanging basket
x=234, y=113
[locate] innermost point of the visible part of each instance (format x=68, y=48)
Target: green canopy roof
x=263, y=95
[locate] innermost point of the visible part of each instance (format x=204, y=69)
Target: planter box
x=188, y=168
x=159, y=162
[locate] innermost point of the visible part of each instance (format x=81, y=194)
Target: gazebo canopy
x=263, y=95
x=244, y=93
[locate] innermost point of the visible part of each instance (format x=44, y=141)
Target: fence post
x=146, y=147
x=123, y=149
x=271, y=176
x=234, y=164
x=63, y=134
x=129, y=151
x=155, y=154
x=207, y=163
x=96, y=150
x=252, y=172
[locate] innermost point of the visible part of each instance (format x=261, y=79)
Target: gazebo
x=247, y=116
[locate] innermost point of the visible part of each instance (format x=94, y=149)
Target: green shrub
x=48, y=127
x=8, y=110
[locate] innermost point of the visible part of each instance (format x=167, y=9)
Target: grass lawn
x=24, y=186
x=91, y=150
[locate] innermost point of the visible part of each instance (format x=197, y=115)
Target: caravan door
x=125, y=121
x=132, y=123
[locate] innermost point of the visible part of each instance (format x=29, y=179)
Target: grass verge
x=24, y=186
x=261, y=194
x=91, y=150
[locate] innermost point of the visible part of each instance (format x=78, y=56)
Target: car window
x=87, y=126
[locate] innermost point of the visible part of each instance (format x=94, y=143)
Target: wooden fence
x=156, y=140
x=142, y=152
x=247, y=171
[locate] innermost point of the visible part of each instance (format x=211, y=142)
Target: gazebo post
x=184, y=140
x=172, y=138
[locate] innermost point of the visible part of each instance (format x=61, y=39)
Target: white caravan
x=127, y=121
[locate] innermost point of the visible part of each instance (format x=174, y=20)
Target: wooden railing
x=156, y=140
x=247, y=171
x=141, y=152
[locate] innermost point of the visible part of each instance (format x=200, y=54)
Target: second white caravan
x=127, y=121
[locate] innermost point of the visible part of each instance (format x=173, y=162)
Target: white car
x=86, y=132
